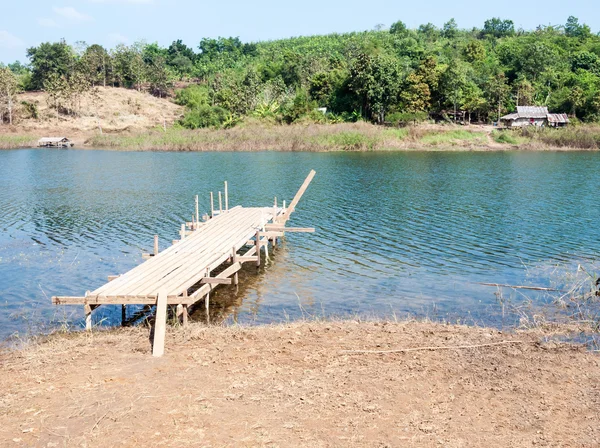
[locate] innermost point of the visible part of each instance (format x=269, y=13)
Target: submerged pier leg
x=257, y=249
x=123, y=315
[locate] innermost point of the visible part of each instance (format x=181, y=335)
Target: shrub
x=205, y=117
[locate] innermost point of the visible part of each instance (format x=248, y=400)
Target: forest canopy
x=378, y=75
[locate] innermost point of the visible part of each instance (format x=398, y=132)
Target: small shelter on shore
x=55, y=142
x=533, y=116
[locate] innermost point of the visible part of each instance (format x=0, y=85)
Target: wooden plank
x=218, y=252
x=113, y=277
x=168, y=260
x=216, y=281
x=298, y=196
x=271, y=234
x=283, y=228
x=244, y=259
x=160, y=325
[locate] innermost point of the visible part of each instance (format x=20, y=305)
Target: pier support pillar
x=123, y=315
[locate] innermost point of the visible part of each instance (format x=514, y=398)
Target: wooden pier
x=182, y=275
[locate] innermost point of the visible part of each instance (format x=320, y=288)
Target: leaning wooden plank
x=271, y=234
x=298, y=196
x=160, y=324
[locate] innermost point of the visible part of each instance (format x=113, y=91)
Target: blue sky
x=27, y=23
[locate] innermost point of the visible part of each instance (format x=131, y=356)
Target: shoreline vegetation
x=307, y=383
x=312, y=137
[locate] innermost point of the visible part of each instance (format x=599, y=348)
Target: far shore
x=311, y=137
x=321, y=383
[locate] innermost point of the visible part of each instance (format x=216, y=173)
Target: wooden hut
x=533, y=116
x=55, y=142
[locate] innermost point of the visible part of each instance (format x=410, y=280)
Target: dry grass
x=115, y=110
x=259, y=136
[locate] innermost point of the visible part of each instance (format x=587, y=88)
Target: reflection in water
x=396, y=232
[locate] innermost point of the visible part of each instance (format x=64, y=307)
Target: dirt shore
x=297, y=385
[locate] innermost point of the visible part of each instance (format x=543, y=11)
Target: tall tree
x=50, y=59
x=9, y=87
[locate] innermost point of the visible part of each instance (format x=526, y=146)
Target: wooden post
x=88, y=317
x=220, y=204
x=212, y=205
x=160, y=325
x=123, y=315
x=234, y=260
x=184, y=320
x=197, y=212
x=182, y=233
x=257, y=249
x=274, y=219
x=226, y=198
x=155, y=245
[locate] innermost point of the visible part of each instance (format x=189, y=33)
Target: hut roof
x=53, y=139
x=558, y=118
x=532, y=112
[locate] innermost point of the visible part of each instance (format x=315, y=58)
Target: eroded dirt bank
x=294, y=385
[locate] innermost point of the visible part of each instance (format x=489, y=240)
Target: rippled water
x=396, y=232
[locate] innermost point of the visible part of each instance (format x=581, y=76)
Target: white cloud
x=118, y=38
x=10, y=41
x=68, y=12
x=48, y=23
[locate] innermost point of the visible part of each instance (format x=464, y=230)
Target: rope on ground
x=450, y=347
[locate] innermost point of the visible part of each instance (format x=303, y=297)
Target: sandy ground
x=294, y=385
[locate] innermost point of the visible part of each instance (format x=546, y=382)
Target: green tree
x=498, y=28
x=50, y=59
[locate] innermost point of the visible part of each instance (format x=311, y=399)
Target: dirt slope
x=115, y=109
x=293, y=385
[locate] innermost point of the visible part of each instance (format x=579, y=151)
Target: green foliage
x=405, y=118
x=504, y=137
x=50, y=59
x=205, y=116
x=484, y=72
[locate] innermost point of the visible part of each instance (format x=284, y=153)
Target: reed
x=8, y=141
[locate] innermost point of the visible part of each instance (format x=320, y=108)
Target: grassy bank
x=583, y=137
x=334, y=383
x=9, y=141
x=312, y=137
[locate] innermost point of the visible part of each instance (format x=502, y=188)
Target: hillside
x=114, y=109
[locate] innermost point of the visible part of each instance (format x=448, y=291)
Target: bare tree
x=9, y=87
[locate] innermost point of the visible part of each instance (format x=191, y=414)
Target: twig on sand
x=449, y=347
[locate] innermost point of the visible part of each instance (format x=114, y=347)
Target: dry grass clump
x=8, y=141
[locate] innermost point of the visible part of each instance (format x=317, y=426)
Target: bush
x=504, y=137
x=205, y=117
x=192, y=96
x=405, y=118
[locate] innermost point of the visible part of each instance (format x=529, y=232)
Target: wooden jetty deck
x=182, y=274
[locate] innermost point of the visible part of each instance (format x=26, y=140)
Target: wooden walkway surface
x=186, y=264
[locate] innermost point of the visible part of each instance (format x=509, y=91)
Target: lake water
x=397, y=233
